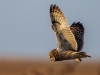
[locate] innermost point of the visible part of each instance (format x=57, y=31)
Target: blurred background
x=26, y=36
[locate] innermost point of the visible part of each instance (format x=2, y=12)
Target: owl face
x=53, y=55
x=52, y=58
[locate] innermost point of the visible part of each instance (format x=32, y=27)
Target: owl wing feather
x=65, y=37
x=78, y=31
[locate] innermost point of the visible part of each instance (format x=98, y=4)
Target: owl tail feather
x=83, y=55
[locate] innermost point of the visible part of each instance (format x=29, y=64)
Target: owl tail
x=82, y=55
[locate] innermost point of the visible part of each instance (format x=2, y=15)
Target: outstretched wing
x=78, y=31
x=65, y=37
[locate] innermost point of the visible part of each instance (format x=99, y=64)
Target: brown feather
x=65, y=37
x=78, y=31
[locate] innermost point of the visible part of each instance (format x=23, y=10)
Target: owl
x=70, y=39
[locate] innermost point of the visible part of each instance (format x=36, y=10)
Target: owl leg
x=78, y=59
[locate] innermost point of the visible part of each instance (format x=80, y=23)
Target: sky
x=25, y=26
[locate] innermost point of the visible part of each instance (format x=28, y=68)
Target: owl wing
x=78, y=31
x=65, y=37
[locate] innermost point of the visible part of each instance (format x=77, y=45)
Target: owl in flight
x=70, y=40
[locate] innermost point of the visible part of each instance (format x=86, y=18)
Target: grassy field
x=48, y=68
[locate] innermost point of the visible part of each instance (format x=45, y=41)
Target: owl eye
x=51, y=56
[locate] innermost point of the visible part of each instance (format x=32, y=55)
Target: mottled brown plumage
x=70, y=40
x=78, y=31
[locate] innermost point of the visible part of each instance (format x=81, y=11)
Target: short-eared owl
x=69, y=39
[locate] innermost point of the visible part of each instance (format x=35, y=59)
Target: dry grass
x=98, y=70
x=48, y=68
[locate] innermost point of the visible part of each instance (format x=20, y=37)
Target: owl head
x=53, y=55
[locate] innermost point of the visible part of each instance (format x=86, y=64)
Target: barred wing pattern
x=65, y=37
x=78, y=31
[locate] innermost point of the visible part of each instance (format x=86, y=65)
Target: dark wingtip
x=51, y=7
x=78, y=24
x=73, y=23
